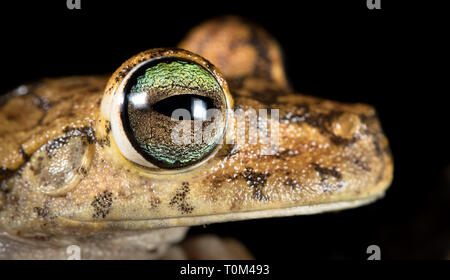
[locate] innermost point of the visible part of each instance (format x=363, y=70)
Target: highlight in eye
x=167, y=98
x=197, y=106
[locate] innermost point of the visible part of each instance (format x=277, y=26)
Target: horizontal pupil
x=196, y=105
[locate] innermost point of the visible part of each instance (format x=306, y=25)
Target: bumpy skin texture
x=330, y=153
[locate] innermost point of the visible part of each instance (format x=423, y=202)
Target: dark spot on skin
x=107, y=127
x=11, y=117
x=38, y=167
x=153, y=251
x=337, y=140
x=104, y=142
x=154, y=202
x=379, y=178
x=376, y=144
x=102, y=204
x=86, y=131
x=90, y=133
x=45, y=105
x=44, y=212
x=216, y=182
x=13, y=202
x=23, y=154
x=68, y=129
x=41, y=211
x=83, y=171
x=5, y=173
x=41, y=238
x=286, y=153
x=325, y=173
x=3, y=189
x=364, y=118
x=374, y=133
x=55, y=145
x=361, y=164
x=257, y=181
x=321, y=121
x=123, y=195
x=179, y=199
x=236, y=83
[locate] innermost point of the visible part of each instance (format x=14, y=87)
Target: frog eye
x=170, y=112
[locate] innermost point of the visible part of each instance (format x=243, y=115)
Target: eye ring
x=117, y=95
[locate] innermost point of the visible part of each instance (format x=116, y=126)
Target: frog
x=91, y=161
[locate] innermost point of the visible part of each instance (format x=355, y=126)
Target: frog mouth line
x=227, y=217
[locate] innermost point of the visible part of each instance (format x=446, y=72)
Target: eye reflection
x=139, y=100
x=197, y=106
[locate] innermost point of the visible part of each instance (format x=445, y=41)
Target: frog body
x=64, y=179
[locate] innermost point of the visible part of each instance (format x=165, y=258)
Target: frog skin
x=65, y=181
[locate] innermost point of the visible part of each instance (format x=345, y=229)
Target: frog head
x=207, y=132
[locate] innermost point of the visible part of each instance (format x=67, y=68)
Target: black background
x=333, y=49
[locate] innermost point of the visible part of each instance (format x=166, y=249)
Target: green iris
x=153, y=94
x=182, y=74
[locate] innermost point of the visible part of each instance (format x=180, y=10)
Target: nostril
x=347, y=125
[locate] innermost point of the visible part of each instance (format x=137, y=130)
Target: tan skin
x=64, y=179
